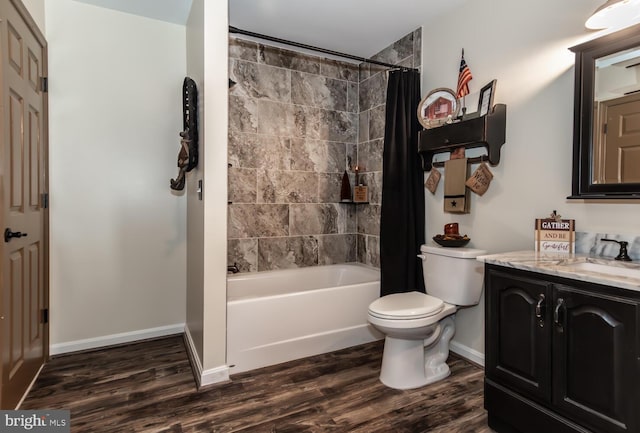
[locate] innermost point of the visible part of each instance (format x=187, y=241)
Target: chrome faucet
x=622, y=255
x=233, y=268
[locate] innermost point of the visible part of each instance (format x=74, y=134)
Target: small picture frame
x=485, y=102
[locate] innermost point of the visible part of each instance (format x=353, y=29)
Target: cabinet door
x=518, y=333
x=595, y=367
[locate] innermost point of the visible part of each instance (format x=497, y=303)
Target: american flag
x=463, y=78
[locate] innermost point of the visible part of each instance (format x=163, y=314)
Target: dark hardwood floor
x=149, y=387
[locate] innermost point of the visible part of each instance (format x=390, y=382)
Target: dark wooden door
x=23, y=258
x=518, y=333
x=595, y=359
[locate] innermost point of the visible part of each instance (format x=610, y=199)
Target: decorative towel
x=456, y=194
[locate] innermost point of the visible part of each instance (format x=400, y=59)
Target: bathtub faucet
x=233, y=268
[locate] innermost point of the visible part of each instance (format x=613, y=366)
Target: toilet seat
x=406, y=306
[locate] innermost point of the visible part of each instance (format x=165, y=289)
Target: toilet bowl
x=417, y=326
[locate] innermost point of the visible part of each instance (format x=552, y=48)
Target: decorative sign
x=432, y=181
x=480, y=179
x=555, y=235
x=360, y=193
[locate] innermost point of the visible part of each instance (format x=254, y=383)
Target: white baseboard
x=113, y=339
x=467, y=352
x=206, y=377
x=214, y=375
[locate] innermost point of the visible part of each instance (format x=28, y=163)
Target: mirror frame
x=586, y=54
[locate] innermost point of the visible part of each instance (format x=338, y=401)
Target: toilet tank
x=453, y=274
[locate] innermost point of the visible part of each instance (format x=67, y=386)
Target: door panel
x=23, y=336
x=34, y=158
x=621, y=147
x=519, y=353
x=35, y=297
x=16, y=305
x=15, y=49
x=34, y=70
x=15, y=173
x=593, y=343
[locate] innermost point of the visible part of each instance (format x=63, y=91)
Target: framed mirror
x=438, y=107
x=606, y=132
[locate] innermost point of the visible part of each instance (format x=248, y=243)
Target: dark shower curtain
x=402, y=215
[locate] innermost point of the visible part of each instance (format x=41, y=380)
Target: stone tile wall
x=293, y=128
x=371, y=123
x=296, y=122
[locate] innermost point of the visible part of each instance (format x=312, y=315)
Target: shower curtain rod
x=312, y=48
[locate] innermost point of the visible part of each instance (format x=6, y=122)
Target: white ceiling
x=358, y=27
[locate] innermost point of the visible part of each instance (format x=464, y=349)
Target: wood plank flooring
x=149, y=387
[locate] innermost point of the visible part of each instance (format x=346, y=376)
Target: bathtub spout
x=233, y=268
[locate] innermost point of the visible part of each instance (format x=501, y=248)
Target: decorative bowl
x=439, y=239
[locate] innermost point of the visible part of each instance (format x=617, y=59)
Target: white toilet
x=418, y=327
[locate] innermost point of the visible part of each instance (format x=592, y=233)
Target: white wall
x=207, y=50
x=118, y=243
x=215, y=183
x=36, y=10
x=195, y=207
x=524, y=45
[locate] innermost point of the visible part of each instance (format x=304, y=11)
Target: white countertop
x=562, y=265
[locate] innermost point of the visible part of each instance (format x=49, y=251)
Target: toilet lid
x=411, y=305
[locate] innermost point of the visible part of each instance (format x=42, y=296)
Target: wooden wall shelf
x=487, y=131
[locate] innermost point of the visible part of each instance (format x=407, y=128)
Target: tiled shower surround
x=296, y=122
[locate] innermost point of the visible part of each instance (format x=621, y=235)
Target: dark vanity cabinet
x=561, y=355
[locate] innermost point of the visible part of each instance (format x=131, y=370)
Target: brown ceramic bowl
x=451, y=242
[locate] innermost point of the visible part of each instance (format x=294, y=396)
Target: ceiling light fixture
x=615, y=13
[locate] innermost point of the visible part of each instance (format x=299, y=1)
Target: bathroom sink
x=616, y=271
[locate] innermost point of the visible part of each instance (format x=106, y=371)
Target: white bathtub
x=278, y=316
